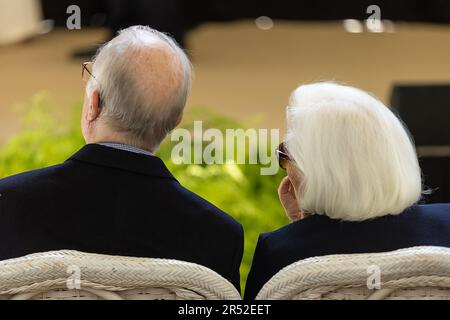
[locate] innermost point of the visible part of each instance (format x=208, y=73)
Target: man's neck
x=101, y=133
x=125, y=147
x=118, y=139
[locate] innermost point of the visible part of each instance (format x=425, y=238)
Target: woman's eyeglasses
x=283, y=156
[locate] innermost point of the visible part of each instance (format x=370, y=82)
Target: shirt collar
x=125, y=147
x=100, y=155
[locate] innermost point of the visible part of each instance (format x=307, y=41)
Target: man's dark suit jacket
x=421, y=225
x=109, y=201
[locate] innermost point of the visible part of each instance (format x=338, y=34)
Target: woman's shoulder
x=420, y=213
x=298, y=228
x=438, y=208
x=439, y=212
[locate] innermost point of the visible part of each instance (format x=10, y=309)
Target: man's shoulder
x=31, y=177
x=203, y=208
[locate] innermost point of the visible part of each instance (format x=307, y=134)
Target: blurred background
x=248, y=57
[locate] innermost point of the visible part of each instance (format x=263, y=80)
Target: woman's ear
x=94, y=108
x=295, y=176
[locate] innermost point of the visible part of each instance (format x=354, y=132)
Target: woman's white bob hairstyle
x=356, y=159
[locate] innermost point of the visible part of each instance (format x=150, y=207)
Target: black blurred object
x=425, y=109
x=177, y=17
x=166, y=16
x=56, y=10
x=436, y=173
x=179, y=14
x=163, y=15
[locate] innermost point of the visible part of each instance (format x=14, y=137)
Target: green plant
x=239, y=190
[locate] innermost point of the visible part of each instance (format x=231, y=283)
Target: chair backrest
x=412, y=273
x=73, y=275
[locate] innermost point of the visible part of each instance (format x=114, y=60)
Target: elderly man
x=114, y=196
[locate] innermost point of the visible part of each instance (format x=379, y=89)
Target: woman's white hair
x=356, y=159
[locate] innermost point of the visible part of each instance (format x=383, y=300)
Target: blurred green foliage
x=239, y=190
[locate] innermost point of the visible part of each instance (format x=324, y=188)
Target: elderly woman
x=352, y=187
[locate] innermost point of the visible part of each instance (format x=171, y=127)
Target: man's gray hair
x=130, y=104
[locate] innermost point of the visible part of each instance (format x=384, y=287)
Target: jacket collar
x=124, y=160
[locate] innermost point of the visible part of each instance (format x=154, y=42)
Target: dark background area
x=179, y=16
x=428, y=124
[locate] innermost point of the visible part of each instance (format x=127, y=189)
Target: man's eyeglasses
x=86, y=71
x=283, y=156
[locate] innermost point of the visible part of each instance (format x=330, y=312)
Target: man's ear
x=94, y=106
x=180, y=118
